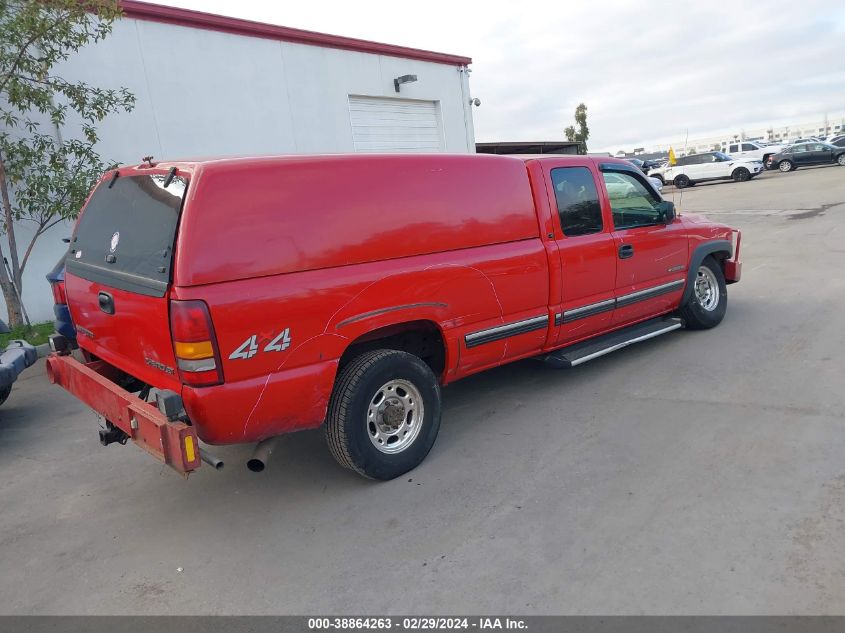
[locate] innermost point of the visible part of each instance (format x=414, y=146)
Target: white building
x=208, y=85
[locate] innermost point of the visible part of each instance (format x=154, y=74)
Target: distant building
x=826, y=126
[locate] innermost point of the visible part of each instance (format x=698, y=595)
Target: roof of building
x=213, y=22
x=524, y=147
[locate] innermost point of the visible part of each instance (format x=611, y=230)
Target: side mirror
x=666, y=211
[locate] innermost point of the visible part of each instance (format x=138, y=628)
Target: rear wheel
x=709, y=298
x=681, y=181
x=785, y=166
x=4, y=393
x=741, y=174
x=384, y=414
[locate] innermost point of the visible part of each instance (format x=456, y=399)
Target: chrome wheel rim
x=394, y=416
x=841, y=160
x=706, y=289
x=784, y=166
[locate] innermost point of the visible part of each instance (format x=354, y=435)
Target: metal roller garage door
x=395, y=125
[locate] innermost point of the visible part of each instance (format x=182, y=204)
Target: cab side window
x=577, y=201
x=633, y=203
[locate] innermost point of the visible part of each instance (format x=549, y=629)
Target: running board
x=593, y=348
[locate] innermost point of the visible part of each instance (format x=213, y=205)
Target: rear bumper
x=18, y=356
x=171, y=442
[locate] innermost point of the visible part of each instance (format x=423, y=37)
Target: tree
x=45, y=178
x=583, y=132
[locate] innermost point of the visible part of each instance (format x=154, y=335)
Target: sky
x=649, y=71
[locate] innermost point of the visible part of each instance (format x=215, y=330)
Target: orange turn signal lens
x=193, y=351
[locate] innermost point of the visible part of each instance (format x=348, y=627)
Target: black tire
x=681, y=181
x=4, y=393
x=660, y=178
x=840, y=160
x=695, y=315
x=741, y=174
x=786, y=166
x=349, y=429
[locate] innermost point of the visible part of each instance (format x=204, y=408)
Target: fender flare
x=701, y=251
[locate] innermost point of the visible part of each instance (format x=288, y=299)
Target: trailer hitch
x=112, y=434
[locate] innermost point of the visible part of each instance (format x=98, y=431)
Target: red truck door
x=585, y=247
x=651, y=255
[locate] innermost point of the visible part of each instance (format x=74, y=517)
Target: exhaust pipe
x=215, y=462
x=261, y=455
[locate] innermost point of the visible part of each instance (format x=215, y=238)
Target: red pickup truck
x=237, y=300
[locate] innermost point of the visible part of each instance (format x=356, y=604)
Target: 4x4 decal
x=249, y=347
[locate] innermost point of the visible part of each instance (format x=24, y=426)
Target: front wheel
x=384, y=414
x=741, y=174
x=709, y=298
x=681, y=181
x=785, y=166
x=840, y=160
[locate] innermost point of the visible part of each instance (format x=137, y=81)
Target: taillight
x=59, y=295
x=195, y=344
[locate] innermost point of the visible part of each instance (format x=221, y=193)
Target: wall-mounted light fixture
x=404, y=79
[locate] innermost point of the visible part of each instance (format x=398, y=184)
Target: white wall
x=203, y=93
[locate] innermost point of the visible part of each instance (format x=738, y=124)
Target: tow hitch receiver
x=112, y=434
x=127, y=417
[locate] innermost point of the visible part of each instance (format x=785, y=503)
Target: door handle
x=626, y=251
x=106, y=302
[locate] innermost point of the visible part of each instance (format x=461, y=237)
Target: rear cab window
x=125, y=236
x=577, y=200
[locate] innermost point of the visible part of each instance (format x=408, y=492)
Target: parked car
x=618, y=186
x=690, y=170
x=804, y=154
x=63, y=321
x=656, y=183
x=17, y=356
x=652, y=163
x=753, y=150
x=839, y=141
x=347, y=290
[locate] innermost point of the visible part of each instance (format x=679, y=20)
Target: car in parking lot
x=63, y=323
x=752, y=150
x=694, y=168
x=805, y=154
x=14, y=358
